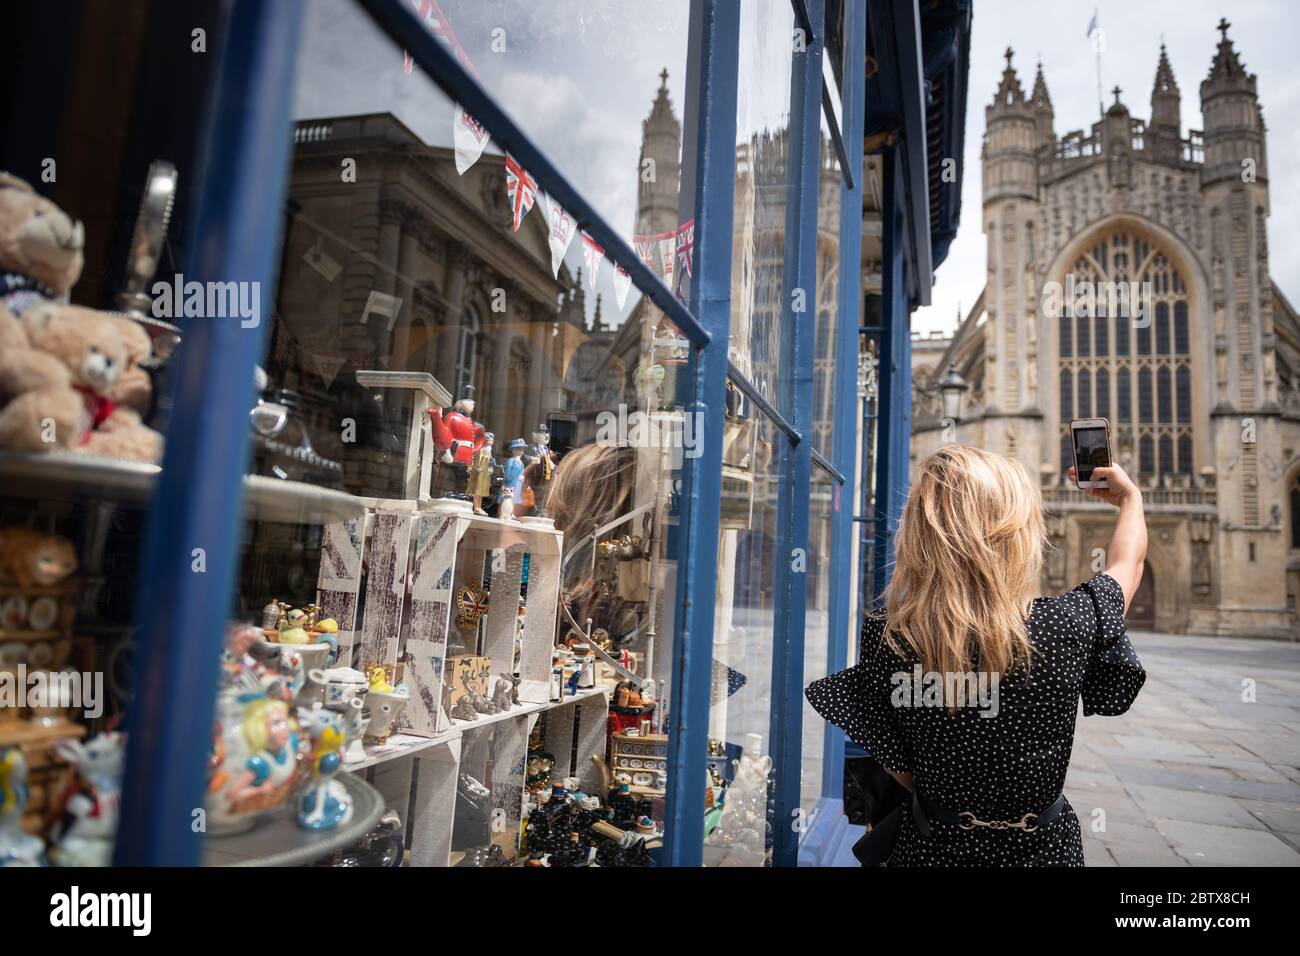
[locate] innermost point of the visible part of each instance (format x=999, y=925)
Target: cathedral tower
x=659, y=167
x=1014, y=132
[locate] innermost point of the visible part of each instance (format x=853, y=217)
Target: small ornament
x=16, y=847
x=93, y=804
x=326, y=803
x=471, y=605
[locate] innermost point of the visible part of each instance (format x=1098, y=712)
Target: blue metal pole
x=894, y=413
x=710, y=137
x=790, y=560
x=192, y=543
x=842, y=623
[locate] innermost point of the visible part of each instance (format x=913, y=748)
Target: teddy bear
x=60, y=368
x=40, y=247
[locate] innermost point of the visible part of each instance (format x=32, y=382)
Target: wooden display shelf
x=65, y=475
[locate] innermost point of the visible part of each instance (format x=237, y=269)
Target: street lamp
x=952, y=390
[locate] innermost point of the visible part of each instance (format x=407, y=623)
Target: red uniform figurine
x=457, y=436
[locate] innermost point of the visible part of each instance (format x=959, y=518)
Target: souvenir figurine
x=325, y=803
x=457, y=438
x=506, y=693
x=32, y=559
x=256, y=749
x=271, y=615
x=93, y=802
x=481, y=703
x=480, y=474
x=16, y=847
x=463, y=709
x=512, y=482
x=540, y=469
x=379, y=681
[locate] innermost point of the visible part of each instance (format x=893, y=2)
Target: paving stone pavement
x=1193, y=775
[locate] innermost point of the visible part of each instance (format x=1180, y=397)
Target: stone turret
x=1234, y=124
x=1044, y=116
x=1164, y=129
x=659, y=167
x=1011, y=140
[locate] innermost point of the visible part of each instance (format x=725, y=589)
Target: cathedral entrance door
x=1142, y=612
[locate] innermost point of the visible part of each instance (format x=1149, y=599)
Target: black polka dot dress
x=1005, y=756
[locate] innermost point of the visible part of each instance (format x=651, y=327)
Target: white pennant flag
x=561, y=234
x=622, y=283
x=591, y=255
x=470, y=137
x=668, y=255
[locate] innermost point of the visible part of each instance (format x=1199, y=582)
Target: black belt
x=925, y=811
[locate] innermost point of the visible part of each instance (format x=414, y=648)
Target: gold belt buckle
x=1028, y=823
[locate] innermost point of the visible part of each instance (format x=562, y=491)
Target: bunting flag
x=685, y=249
x=645, y=249
x=440, y=27
x=470, y=138
x=591, y=256
x=622, y=283
x=561, y=234
x=521, y=189
x=667, y=255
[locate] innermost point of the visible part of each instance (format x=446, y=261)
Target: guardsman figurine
x=457, y=437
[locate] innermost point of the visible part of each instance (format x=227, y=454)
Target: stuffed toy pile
x=70, y=377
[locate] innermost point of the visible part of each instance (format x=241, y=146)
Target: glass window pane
x=828, y=278
x=824, y=582
x=743, y=634
x=762, y=190
x=505, y=408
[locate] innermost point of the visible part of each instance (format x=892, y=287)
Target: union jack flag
x=428, y=10
x=521, y=188
x=685, y=247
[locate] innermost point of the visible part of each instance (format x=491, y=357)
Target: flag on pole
x=521, y=189
x=591, y=256
x=561, y=234
x=1092, y=24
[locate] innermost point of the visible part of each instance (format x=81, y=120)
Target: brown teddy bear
x=60, y=368
x=40, y=247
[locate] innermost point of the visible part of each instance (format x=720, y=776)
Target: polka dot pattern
x=997, y=767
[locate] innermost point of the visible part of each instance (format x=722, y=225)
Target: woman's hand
x=1120, y=486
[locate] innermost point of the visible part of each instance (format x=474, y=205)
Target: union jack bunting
x=685, y=248
x=645, y=249
x=521, y=188
x=591, y=256
x=428, y=10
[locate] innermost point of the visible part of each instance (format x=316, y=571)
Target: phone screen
x=1091, y=450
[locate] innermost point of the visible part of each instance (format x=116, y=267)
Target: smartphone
x=1091, y=438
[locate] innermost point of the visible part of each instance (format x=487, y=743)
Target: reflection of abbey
x=1201, y=390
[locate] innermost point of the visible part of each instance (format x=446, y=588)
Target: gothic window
x=1101, y=342
x=1184, y=390
x=1142, y=350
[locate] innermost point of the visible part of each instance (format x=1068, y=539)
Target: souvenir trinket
x=325, y=803
x=471, y=605
x=512, y=481
x=16, y=847
x=93, y=803
x=479, y=484
x=457, y=439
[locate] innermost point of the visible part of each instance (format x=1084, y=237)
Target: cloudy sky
x=1264, y=32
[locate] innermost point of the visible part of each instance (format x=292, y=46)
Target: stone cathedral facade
x=1199, y=376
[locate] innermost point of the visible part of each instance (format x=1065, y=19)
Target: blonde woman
x=967, y=685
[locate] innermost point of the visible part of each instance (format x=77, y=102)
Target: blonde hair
x=967, y=557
